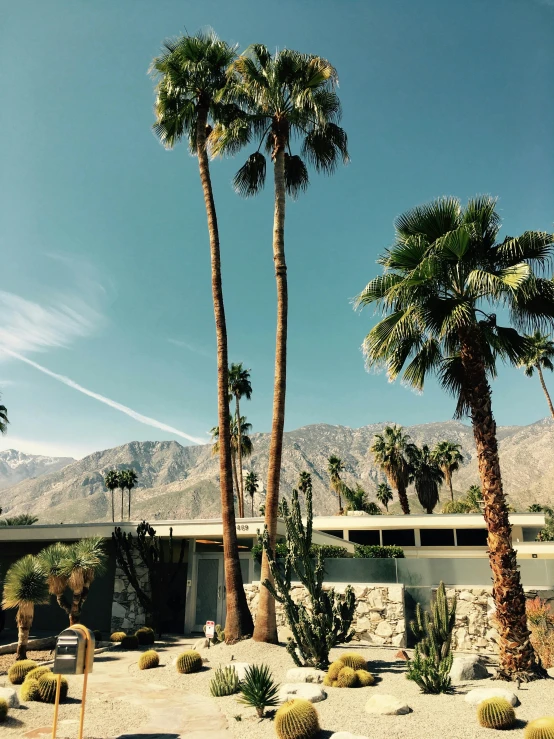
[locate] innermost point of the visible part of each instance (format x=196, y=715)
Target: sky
x=106, y=319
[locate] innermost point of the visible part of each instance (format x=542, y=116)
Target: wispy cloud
x=107, y=401
x=192, y=348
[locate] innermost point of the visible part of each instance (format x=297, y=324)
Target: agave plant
x=258, y=689
x=24, y=588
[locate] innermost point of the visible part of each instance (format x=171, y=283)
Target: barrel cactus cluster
x=224, y=682
x=117, y=637
x=541, y=728
x=18, y=671
x=3, y=709
x=47, y=688
x=350, y=671
x=188, y=662
x=37, y=673
x=148, y=660
x=297, y=719
x=496, y=713
x=145, y=636
x=29, y=690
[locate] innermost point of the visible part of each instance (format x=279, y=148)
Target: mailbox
x=74, y=653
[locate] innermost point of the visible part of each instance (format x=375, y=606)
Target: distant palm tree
x=539, y=356
x=239, y=387
x=251, y=486
x=3, y=419
x=426, y=475
x=535, y=508
x=237, y=438
x=24, y=519
x=304, y=482
x=131, y=478
x=24, y=588
x=448, y=457
x=111, y=481
x=334, y=469
x=357, y=500
x=384, y=495
x=389, y=451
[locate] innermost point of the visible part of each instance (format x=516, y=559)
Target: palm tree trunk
x=235, y=477
x=239, y=453
x=239, y=622
x=113, y=506
x=122, y=499
x=75, y=613
x=129, y=494
x=548, y=400
x=24, y=621
x=517, y=658
x=252, y=512
x=448, y=478
x=266, y=624
x=403, y=497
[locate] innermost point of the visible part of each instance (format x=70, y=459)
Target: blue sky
x=103, y=236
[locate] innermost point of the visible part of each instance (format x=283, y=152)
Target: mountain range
x=16, y=466
x=181, y=482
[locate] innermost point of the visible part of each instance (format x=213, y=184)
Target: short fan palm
x=426, y=475
x=24, y=588
x=539, y=356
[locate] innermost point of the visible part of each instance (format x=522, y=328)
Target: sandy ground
x=437, y=715
x=7, y=660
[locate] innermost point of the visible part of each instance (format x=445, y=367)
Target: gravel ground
x=437, y=715
x=7, y=660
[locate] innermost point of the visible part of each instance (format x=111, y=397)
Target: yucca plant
x=258, y=689
x=85, y=560
x=24, y=588
x=52, y=561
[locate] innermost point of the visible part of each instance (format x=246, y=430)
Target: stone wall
x=379, y=617
x=127, y=612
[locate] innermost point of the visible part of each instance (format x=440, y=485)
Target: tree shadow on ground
x=379, y=666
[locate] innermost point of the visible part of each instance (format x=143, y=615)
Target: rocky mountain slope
x=16, y=466
x=182, y=482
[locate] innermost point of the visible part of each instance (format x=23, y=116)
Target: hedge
x=328, y=551
x=366, y=551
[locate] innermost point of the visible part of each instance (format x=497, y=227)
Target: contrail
x=107, y=401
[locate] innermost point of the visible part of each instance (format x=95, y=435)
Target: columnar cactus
x=117, y=636
x=47, y=688
x=326, y=619
x=148, y=660
x=188, y=662
x=18, y=671
x=354, y=660
x=37, y=673
x=297, y=719
x=130, y=642
x=3, y=709
x=224, y=682
x=145, y=635
x=541, y=728
x=30, y=690
x=496, y=713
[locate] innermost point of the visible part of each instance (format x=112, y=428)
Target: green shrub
x=297, y=719
x=37, y=673
x=354, y=660
x=148, y=660
x=18, y=671
x=374, y=551
x=3, y=709
x=189, y=661
x=541, y=728
x=30, y=690
x=129, y=642
x=365, y=678
x=145, y=636
x=117, y=636
x=224, y=682
x=347, y=678
x=328, y=551
x=258, y=689
x=496, y=713
x=47, y=688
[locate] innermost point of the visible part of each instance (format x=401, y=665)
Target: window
x=437, y=537
x=399, y=538
x=471, y=537
x=363, y=536
x=338, y=532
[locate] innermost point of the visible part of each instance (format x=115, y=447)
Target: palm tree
x=443, y=274
x=122, y=479
x=238, y=438
x=283, y=96
x=251, y=486
x=191, y=74
x=3, y=419
x=426, y=475
x=239, y=387
x=389, y=451
x=131, y=480
x=334, y=468
x=539, y=355
x=23, y=519
x=384, y=495
x=24, y=588
x=448, y=457
x=111, y=481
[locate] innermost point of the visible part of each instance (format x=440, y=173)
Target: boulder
x=346, y=735
x=305, y=675
x=386, y=705
x=200, y=644
x=468, y=668
x=478, y=695
x=240, y=668
x=308, y=691
x=10, y=696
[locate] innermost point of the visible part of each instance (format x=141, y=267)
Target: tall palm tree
x=122, y=479
x=131, y=479
x=384, y=495
x=539, y=356
x=191, y=73
x=111, y=481
x=443, y=277
x=285, y=96
x=24, y=588
x=238, y=438
x=239, y=387
x=334, y=469
x=389, y=451
x=3, y=419
x=251, y=486
x=448, y=457
x=426, y=475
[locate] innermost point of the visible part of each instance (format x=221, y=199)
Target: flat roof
x=421, y=521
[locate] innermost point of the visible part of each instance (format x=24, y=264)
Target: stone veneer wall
x=379, y=617
x=127, y=612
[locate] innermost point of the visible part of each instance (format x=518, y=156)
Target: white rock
x=311, y=693
x=305, y=675
x=240, y=668
x=200, y=644
x=386, y=705
x=468, y=668
x=118, y=611
x=384, y=629
x=10, y=696
x=396, y=593
x=346, y=735
x=357, y=514
x=478, y=695
x=550, y=672
x=399, y=640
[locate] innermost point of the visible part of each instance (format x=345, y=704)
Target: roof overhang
x=423, y=521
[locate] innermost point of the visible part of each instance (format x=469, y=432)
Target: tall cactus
x=325, y=621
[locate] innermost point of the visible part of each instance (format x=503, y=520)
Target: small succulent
x=37, y=672
x=365, y=678
x=97, y=635
x=47, y=686
x=145, y=636
x=130, y=642
x=3, y=709
x=30, y=690
x=354, y=660
x=496, y=713
x=297, y=719
x=148, y=660
x=258, y=689
x=541, y=728
x=117, y=636
x=347, y=678
x=18, y=671
x=188, y=662
x=224, y=682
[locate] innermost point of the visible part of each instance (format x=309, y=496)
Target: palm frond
x=250, y=178
x=296, y=175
